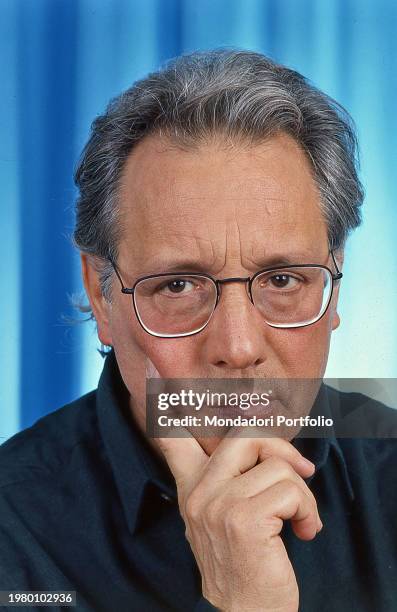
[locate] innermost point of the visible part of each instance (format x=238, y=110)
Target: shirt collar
x=320, y=449
x=135, y=466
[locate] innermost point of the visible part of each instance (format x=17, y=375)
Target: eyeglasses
x=176, y=305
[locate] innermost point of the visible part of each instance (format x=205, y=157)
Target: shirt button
x=166, y=497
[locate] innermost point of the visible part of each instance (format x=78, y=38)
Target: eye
x=177, y=285
x=283, y=281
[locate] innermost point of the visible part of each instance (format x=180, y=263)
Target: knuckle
x=279, y=465
x=293, y=493
x=312, y=499
x=309, y=495
x=192, y=507
x=291, y=490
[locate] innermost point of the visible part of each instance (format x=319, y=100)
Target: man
x=196, y=183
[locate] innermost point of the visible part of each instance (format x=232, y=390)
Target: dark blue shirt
x=85, y=505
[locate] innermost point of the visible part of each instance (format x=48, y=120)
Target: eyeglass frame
x=220, y=281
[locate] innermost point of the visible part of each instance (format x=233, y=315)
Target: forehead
x=249, y=201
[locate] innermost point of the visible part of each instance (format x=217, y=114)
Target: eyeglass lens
x=182, y=304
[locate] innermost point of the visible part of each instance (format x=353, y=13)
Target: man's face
x=227, y=211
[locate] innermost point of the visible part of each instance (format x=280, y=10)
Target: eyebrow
x=287, y=260
x=273, y=261
x=176, y=266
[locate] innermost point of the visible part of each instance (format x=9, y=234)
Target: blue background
x=61, y=62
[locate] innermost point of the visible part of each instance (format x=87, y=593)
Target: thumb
x=184, y=456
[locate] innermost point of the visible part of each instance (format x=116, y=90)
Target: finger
x=236, y=455
x=285, y=500
x=266, y=474
x=184, y=455
x=301, y=464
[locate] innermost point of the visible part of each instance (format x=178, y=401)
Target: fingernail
x=319, y=525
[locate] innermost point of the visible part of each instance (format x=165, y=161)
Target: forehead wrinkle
x=187, y=204
x=299, y=247
x=257, y=183
x=169, y=252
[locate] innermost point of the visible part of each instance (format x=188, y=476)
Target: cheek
x=303, y=352
x=170, y=357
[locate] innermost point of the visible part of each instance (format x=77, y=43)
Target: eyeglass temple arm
x=123, y=289
x=338, y=274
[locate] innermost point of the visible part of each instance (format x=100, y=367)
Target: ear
x=335, y=322
x=100, y=307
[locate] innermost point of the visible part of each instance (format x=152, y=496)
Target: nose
x=235, y=336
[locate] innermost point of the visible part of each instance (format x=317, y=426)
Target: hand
x=234, y=504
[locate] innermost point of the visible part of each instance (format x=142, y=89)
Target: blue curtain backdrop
x=63, y=60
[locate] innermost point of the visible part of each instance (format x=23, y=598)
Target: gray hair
x=237, y=94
